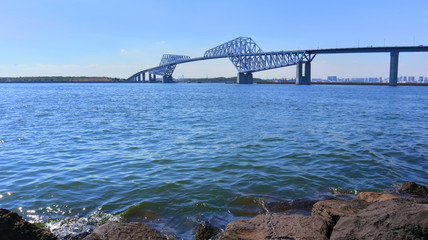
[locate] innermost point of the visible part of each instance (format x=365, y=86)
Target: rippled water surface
x=189, y=152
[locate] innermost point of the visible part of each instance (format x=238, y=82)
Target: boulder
x=332, y=210
x=13, y=227
x=392, y=219
x=300, y=205
x=205, y=231
x=125, y=231
x=375, y=197
x=276, y=226
x=413, y=189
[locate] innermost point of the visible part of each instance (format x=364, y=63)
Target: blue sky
x=119, y=38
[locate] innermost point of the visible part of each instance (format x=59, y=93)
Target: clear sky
x=119, y=38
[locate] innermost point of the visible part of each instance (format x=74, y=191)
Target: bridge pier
x=393, y=69
x=167, y=79
x=143, y=77
x=152, y=78
x=245, y=78
x=300, y=78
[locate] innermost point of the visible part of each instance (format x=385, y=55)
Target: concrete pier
x=393, y=69
x=152, y=78
x=245, y=78
x=300, y=78
x=167, y=79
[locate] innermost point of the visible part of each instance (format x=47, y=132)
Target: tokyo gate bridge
x=248, y=57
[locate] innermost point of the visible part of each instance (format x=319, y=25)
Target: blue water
x=190, y=152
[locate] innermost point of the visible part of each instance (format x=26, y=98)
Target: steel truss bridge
x=248, y=57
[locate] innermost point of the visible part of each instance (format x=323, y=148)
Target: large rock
x=332, y=210
x=13, y=227
x=414, y=189
x=205, y=231
x=125, y=231
x=299, y=206
x=276, y=226
x=391, y=219
x=375, y=197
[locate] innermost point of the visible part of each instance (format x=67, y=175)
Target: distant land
x=187, y=80
x=59, y=79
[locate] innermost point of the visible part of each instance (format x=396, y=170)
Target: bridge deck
x=369, y=50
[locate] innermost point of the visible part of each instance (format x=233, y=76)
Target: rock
x=392, y=219
x=13, y=227
x=414, y=189
x=125, y=231
x=375, y=197
x=332, y=210
x=302, y=205
x=276, y=226
x=205, y=231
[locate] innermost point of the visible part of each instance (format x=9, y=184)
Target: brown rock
x=304, y=205
x=392, y=219
x=332, y=210
x=276, y=226
x=125, y=231
x=329, y=209
x=205, y=231
x=13, y=227
x=414, y=189
x=375, y=197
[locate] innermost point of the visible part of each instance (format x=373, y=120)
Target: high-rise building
x=403, y=79
x=332, y=78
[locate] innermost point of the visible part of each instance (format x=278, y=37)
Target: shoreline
x=332, y=218
x=231, y=80
x=349, y=83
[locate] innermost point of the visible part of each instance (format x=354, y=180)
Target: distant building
x=332, y=78
x=421, y=79
x=411, y=79
x=357, y=80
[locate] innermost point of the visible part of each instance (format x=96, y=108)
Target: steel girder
x=240, y=45
x=266, y=60
x=168, y=63
x=171, y=58
x=247, y=56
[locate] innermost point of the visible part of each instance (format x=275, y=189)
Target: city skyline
x=117, y=39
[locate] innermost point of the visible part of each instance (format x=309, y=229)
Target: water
x=183, y=153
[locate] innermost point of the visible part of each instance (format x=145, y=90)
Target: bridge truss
x=243, y=52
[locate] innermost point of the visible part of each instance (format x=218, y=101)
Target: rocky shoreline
x=401, y=214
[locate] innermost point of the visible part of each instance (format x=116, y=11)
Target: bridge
x=248, y=57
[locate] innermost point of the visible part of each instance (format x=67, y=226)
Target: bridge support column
x=393, y=69
x=167, y=79
x=152, y=78
x=300, y=78
x=143, y=77
x=245, y=78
